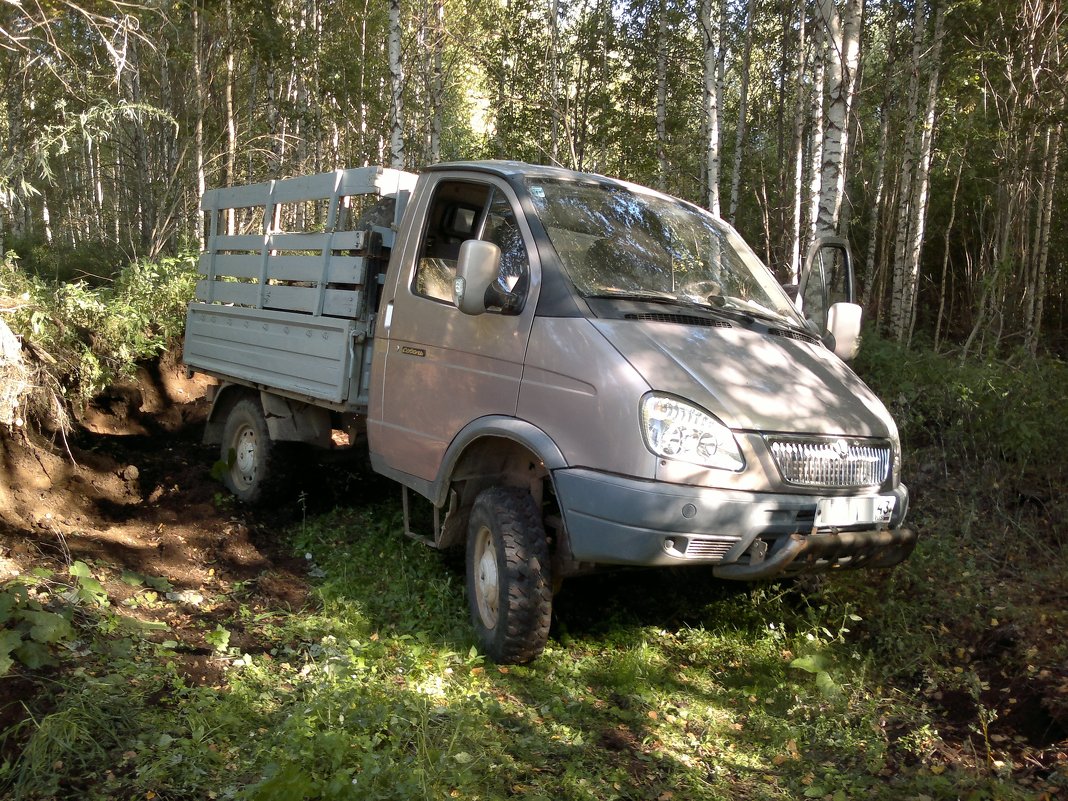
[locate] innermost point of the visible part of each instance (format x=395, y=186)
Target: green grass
x=653, y=686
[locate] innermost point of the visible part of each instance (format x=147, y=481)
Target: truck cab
x=577, y=372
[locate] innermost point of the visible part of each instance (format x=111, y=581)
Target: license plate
x=854, y=511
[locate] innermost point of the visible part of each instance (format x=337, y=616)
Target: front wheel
x=246, y=450
x=509, y=587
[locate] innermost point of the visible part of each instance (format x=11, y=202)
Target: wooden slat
x=236, y=242
x=337, y=302
x=246, y=265
x=235, y=197
x=306, y=187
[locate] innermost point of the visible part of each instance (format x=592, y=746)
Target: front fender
x=519, y=431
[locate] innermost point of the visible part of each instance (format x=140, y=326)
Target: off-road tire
x=246, y=451
x=509, y=586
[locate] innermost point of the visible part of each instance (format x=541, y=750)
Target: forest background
x=930, y=134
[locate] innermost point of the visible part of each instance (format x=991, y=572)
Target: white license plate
x=854, y=511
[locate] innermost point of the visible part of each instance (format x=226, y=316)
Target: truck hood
x=752, y=380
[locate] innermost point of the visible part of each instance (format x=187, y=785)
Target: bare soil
x=131, y=491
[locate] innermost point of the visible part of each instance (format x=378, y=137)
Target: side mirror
x=476, y=269
x=843, y=324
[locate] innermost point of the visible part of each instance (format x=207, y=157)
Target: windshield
x=617, y=241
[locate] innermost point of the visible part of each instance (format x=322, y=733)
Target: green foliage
x=653, y=686
x=93, y=262
x=975, y=410
x=96, y=335
x=36, y=615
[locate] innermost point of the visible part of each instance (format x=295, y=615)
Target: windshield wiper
x=653, y=296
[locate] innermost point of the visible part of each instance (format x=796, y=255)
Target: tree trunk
x=798, y=150
x=710, y=25
x=396, y=85
x=1049, y=182
x=815, y=135
x=661, y=96
x=231, y=118
x=842, y=35
x=945, y=253
x=743, y=104
x=923, y=172
x=901, y=291
x=199, y=98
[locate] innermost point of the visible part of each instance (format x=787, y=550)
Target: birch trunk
x=231, y=119
x=199, y=96
x=743, y=103
x=815, y=161
x=661, y=96
x=945, y=254
x=1049, y=182
x=842, y=34
x=901, y=293
x=396, y=85
x=923, y=172
x=798, y=150
x=710, y=25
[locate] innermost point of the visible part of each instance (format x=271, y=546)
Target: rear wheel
x=246, y=450
x=509, y=587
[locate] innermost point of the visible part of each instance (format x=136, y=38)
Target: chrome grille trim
x=703, y=548
x=831, y=461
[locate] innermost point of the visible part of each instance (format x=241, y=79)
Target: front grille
x=831, y=462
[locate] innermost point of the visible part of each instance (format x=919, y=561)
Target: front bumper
x=617, y=520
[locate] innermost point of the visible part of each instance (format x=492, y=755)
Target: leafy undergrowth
x=653, y=686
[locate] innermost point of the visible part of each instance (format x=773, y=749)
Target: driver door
x=435, y=368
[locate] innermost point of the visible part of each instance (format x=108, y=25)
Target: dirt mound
x=130, y=491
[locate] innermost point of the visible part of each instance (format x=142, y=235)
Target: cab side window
x=459, y=211
x=456, y=211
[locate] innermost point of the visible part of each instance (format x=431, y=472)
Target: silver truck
x=573, y=370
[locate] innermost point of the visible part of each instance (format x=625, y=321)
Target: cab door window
x=459, y=211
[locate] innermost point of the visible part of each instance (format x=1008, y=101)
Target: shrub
x=89, y=336
x=976, y=410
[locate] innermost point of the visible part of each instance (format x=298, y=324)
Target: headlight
x=675, y=429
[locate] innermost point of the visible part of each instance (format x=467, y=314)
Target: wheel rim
x=244, y=469
x=487, y=581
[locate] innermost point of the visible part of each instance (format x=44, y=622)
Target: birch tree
x=711, y=16
x=396, y=83
x=841, y=31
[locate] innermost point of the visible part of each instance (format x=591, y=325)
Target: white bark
x=1049, y=170
x=815, y=161
x=661, y=96
x=743, y=103
x=396, y=84
x=923, y=172
x=198, y=125
x=842, y=35
x=710, y=25
x=798, y=150
x=900, y=293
